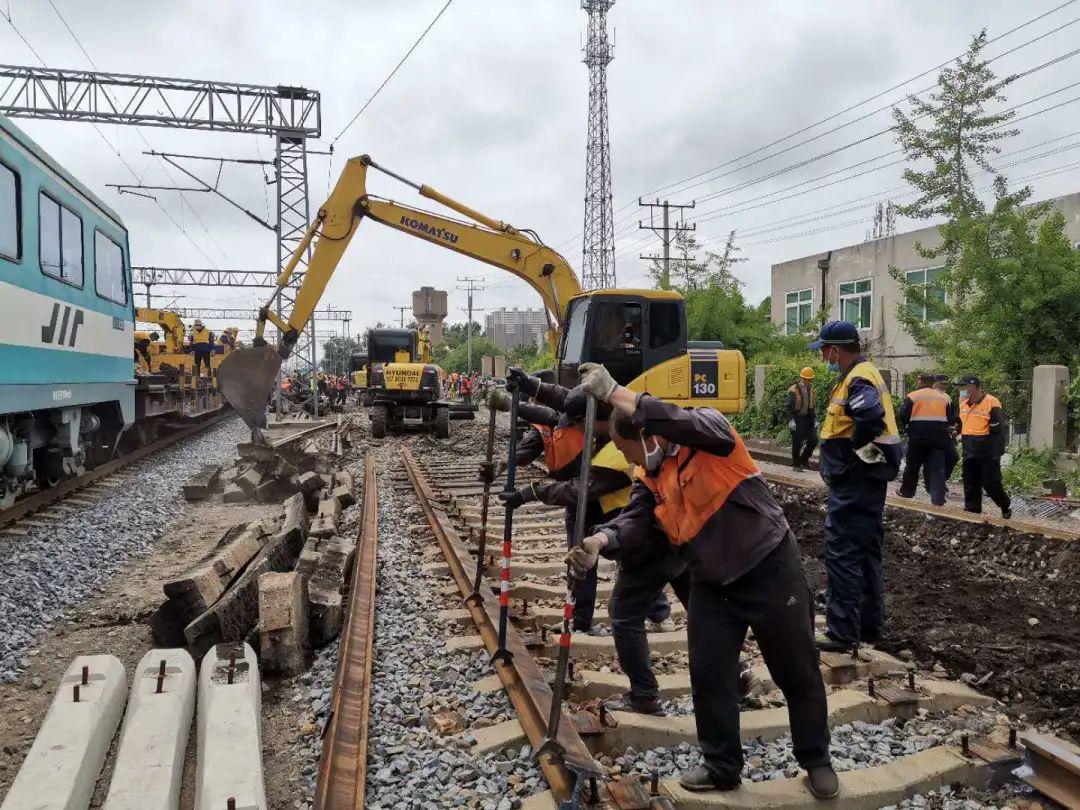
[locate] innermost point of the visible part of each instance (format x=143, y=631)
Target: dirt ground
x=117, y=622
x=996, y=607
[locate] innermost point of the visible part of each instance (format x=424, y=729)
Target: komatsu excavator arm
x=485, y=239
x=245, y=377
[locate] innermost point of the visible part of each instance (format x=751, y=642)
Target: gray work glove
x=791, y=425
x=582, y=559
x=499, y=399
x=870, y=454
x=596, y=380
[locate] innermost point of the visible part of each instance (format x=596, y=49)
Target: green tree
x=457, y=359
x=336, y=353
x=530, y=357
x=959, y=131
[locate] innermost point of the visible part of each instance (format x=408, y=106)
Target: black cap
x=968, y=379
x=836, y=333
x=576, y=400
x=941, y=378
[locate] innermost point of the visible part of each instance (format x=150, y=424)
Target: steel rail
x=523, y=680
x=40, y=500
x=343, y=765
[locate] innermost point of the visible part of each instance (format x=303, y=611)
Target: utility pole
x=666, y=232
x=598, y=233
x=401, y=316
x=470, y=287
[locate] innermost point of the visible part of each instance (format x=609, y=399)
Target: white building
x=508, y=328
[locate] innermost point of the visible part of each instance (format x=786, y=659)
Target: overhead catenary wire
x=386, y=81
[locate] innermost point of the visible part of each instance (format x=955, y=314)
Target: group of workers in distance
x=200, y=343
x=692, y=510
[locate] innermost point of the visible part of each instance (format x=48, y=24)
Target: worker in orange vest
x=697, y=482
x=982, y=438
x=926, y=415
x=800, y=406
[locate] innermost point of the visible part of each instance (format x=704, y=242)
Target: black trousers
x=633, y=600
x=773, y=599
x=983, y=474
x=854, y=546
x=803, y=440
x=202, y=359
x=930, y=458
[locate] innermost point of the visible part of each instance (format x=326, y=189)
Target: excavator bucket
x=246, y=379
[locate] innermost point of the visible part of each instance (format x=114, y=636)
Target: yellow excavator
x=639, y=334
x=404, y=385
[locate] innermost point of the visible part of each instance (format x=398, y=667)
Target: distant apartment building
x=508, y=328
x=853, y=283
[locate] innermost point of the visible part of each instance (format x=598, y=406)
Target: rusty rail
x=522, y=678
x=343, y=766
x=1052, y=767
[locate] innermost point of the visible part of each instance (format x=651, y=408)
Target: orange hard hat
x=807, y=373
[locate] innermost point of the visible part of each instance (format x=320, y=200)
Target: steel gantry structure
x=291, y=115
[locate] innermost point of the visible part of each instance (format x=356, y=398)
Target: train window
x=109, y=269
x=60, y=241
x=10, y=243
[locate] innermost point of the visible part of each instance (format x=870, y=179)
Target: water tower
x=429, y=309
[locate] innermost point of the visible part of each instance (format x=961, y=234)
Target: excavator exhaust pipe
x=246, y=379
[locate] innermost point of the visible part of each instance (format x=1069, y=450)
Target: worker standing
x=926, y=415
x=699, y=485
x=202, y=346
x=982, y=437
x=859, y=454
x=800, y=407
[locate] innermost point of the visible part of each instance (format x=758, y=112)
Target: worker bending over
x=800, y=406
x=643, y=573
x=202, y=346
x=142, y=349
x=698, y=484
x=926, y=415
x=982, y=438
x=859, y=454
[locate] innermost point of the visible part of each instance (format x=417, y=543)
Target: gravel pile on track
x=854, y=746
x=409, y=764
x=53, y=568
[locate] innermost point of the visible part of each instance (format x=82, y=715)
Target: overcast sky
x=491, y=110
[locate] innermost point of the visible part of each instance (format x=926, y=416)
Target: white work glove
x=791, y=425
x=596, y=380
x=582, y=559
x=871, y=454
x=499, y=399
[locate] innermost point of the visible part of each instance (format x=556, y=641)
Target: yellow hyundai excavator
x=638, y=334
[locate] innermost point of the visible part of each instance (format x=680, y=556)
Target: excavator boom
x=246, y=377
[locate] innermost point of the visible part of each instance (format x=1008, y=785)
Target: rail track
x=927, y=735
x=37, y=503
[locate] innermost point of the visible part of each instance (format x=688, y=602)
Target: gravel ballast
x=49, y=569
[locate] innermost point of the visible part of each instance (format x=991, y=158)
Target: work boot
x=662, y=626
x=700, y=780
x=827, y=643
x=627, y=703
x=1006, y=513
x=823, y=782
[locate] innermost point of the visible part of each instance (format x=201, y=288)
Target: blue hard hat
x=836, y=333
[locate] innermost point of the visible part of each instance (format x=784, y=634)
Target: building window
x=928, y=289
x=109, y=269
x=9, y=214
x=798, y=310
x=856, y=302
x=60, y=242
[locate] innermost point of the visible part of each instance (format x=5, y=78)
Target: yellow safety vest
x=976, y=418
x=201, y=336
x=838, y=425
x=611, y=458
x=929, y=405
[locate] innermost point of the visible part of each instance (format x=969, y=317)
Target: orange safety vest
x=561, y=445
x=692, y=485
x=804, y=397
x=976, y=418
x=929, y=405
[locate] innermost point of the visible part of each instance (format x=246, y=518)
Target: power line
x=386, y=81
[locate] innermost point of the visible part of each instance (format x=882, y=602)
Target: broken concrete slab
x=233, y=494
x=310, y=481
x=204, y=483
x=283, y=622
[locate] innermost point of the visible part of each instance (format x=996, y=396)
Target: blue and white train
x=67, y=386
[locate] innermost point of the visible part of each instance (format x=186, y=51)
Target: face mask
x=834, y=364
x=963, y=395
x=653, y=458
